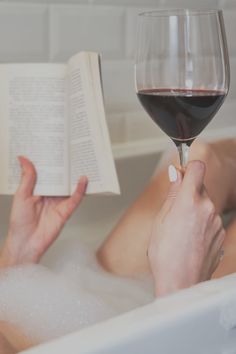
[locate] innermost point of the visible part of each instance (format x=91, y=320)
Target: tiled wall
x=53, y=30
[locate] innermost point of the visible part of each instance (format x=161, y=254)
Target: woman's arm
x=35, y=223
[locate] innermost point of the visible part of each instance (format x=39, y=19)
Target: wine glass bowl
x=182, y=71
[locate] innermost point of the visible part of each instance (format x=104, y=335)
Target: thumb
x=175, y=177
x=194, y=177
x=28, y=177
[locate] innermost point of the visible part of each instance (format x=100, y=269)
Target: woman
x=36, y=221
x=124, y=250
x=196, y=242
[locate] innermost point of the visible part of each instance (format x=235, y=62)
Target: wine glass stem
x=183, y=154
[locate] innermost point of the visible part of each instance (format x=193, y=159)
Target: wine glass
x=182, y=71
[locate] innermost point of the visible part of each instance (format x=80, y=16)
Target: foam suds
x=67, y=292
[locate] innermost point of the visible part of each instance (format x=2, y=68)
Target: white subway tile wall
x=45, y=30
x=23, y=32
x=118, y=79
x=98, y=28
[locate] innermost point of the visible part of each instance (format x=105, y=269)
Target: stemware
x=182, y=71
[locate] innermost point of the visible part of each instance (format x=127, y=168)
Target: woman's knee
x=202, y=151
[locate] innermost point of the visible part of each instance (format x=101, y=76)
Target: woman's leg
x=228, y=263
x=124, y=250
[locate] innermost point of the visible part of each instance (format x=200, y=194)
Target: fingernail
x=172, y=173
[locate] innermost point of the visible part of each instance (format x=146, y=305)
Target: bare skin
x=40, y=220
x=124, y=250
x=35, y=223
x=12, y=340
x=5, y=345
x=187, y=234
x=228, y=264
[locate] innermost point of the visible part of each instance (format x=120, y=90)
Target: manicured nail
x=172, y=173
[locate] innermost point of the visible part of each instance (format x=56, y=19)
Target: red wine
x=181, y=114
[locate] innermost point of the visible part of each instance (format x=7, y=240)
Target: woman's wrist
x=167, y=288
x=4, y=262
x=13, y=254
x=7, y=259
x=166, y=283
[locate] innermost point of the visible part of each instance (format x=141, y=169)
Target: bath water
x=66, y=292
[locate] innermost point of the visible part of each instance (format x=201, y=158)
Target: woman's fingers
x=175, y=178
x=28, y=178
x=194, y=177
x=217, y=250
x=67, y=206
x=213, y=228
x=217, y=223
x=215, y=234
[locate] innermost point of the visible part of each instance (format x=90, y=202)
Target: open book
x=54, y=115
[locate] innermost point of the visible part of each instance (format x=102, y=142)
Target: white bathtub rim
x=219, y=294
x=138, y=148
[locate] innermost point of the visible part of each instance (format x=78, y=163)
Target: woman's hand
x=187, y=235
x=36, y=221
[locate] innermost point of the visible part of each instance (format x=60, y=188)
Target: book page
x=3, y=130
x=106, y=157
x=36, y=126
x=87, y=152
x=83, y=154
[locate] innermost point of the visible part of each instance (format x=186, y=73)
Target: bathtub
x=198, y=320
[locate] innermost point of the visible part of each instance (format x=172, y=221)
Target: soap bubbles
x=65, y=293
